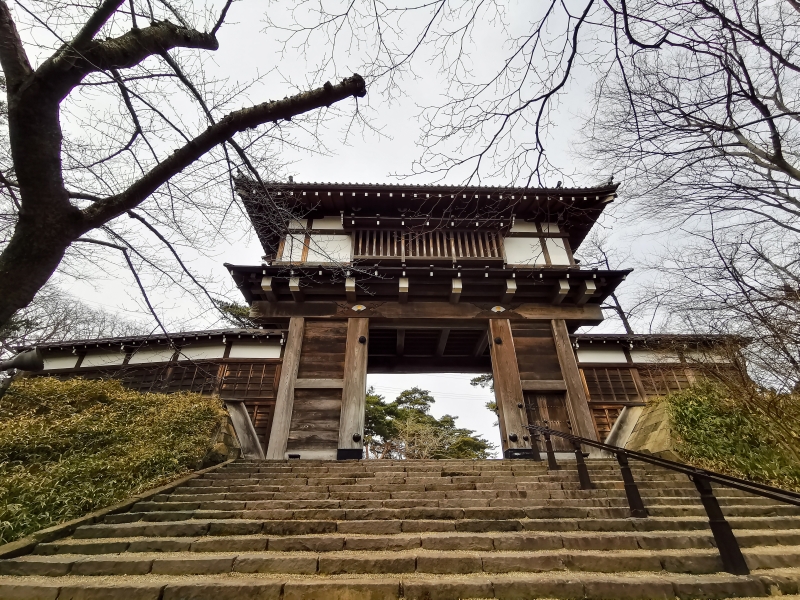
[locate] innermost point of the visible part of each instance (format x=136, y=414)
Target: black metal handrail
x=732, y=559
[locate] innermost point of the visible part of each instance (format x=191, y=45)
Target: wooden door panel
x=550, y=410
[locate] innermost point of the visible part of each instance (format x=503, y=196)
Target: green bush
x=69, y=447
x=716, y=430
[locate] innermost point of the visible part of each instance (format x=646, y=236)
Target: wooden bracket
x=455, y=290
x=403, y=290
x=480, y=346
x=511, y=289
x=266, y=286
x=294, y=287
x=585, y=291
x=350, y=290
x=562, y=289
x=443, y=335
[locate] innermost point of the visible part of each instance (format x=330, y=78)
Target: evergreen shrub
x=716, y=430
x=70, y=447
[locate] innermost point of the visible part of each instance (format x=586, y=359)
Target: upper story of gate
x=309, y=224
x=497, y=249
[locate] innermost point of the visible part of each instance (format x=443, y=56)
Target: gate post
x=354, y=391
x=284, y=400
x=508, y=391
x=577, y=402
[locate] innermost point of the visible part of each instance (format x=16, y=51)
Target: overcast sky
x=366, y=157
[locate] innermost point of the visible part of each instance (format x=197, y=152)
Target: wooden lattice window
x=610, y=385
x=604, y=416
x=383, y=243
x=661, y=380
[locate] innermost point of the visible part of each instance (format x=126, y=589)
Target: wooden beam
x=455, y=290
x=511, y=289
x=544, y=385
x=585, y=291
x=354, y=392
x=377, y=310
x=294, y=287
x=577, y=402
x=507, y=387
x=266, y=286
x=403, y=290
x=445, y=333
x=284, y=400
x=305, y=384
x=480, y=346
x=401, y=342
x=350, y=290
x=561, y=291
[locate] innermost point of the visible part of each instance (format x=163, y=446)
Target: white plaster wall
x=523, y=251
x=103, y=358
x=557, y=250
x=601, y=355
x=202, y=351
x=523, y=227
x=255, y=349
x=654, y=356
x=550, y=228
x=329, y=248
x=293, y=247
x=148, y=355
x=298, y=224
x=59, y=361
x=328, y=223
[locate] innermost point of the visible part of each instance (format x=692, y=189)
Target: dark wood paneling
x=315, y=420
x=536, y=351
x=550, y=410
x=322, y=355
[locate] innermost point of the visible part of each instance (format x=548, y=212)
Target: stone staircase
x=416, y=530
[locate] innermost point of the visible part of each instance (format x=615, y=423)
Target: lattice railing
x=383, y=243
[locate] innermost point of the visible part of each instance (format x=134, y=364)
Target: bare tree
x=54, y=316
x=113, y=129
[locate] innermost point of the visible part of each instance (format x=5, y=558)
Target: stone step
x=696, y=561
x=226, y=527
x=171, y=504
x=567, y=586
x=661, y=540
x=213, y=510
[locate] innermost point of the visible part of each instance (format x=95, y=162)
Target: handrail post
x=583, y=470
x=732, y=559
x=631, y=489
x=552, y=465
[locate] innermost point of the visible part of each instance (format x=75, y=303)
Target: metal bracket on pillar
x=294, y=287
x=586, y=290
x=455, y=290
x=350, y=290
x=266, y=287
x=403, y=290
x=561, y=291
x=511, y=289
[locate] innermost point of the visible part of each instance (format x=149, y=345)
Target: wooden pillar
x=354, y=391
x=284, y=400
x=577, y=402
x=508, y=391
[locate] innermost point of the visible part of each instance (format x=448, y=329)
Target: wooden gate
x=550, y=410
